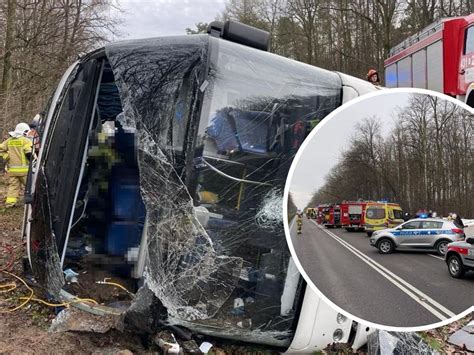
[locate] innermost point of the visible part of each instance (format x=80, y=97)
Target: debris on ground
x=91, y=282
x=70, y=275
x=167, y=342
x=72, y=319
x=191, y=347
x=382, y=342
x=464, y=338
x=25, y=331
x=438, y=338
x=339, y=349
x=205, y=347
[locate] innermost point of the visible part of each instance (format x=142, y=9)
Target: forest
x=39, y=39
x=425, y=162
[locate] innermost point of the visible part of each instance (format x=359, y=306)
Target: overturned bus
x=162, y=167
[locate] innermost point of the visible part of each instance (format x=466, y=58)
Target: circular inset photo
x=380, y=206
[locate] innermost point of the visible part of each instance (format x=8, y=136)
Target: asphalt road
x=403, y=289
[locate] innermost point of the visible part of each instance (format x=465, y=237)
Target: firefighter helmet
x=371, y=73
x=20, y=130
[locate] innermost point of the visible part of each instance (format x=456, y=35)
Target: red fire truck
x=331, y=216
x=440, y=58
x=320, y=214
x=353, y=215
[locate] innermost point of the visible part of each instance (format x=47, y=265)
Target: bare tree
x=426, y=161
x=349, y=36
x=42, y=38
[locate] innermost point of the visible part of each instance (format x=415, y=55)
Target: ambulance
x=382, y=215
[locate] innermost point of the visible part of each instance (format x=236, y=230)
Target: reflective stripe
x=15, y=143
x=18, y=169
x=10, y=200
x=18, y=163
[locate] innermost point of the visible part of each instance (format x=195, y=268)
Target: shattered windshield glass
x=184, y=270
x=217, y=125
x=254, y=100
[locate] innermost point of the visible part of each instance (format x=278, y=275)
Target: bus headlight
x=341, y=318
x=337, y=335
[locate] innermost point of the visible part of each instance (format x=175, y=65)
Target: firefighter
x=16, y=150
x=373, y=77
x=299, y=220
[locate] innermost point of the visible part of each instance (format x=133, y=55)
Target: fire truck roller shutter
x=434, y=54
x=419, y=69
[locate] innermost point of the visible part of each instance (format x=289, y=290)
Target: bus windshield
x=257, y=110
x=217, y=127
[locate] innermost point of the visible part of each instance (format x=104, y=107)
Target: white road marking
x=424, y=300
x=436, y=256
x=292, y=223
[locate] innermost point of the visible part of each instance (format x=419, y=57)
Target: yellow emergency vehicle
x=382, y=215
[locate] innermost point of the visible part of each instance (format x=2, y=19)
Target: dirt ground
x=25, y=331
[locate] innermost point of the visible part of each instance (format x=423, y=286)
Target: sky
x=154, y=18
x=325, y=148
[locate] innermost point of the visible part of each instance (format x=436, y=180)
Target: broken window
x=217, y=255
x=256, y=112
x=190, y=142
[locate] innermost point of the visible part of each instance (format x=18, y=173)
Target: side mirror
x=470, y=240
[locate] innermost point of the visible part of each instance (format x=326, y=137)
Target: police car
x=418, y=234
x=460, y=257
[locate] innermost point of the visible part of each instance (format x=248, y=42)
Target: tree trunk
x=7, y=61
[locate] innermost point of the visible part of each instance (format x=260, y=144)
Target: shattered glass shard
x=183, y=270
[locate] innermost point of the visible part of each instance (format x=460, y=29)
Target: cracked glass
x=217, y=126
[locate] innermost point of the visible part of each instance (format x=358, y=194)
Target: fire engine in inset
x=331, y=216
x=353, y=215
x=440, y=57
x=320, y=214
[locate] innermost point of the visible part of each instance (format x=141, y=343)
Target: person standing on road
x=458, y=221
x=16, y=150
x=299, y=220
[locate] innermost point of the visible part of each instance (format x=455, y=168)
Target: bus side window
x=469, y=41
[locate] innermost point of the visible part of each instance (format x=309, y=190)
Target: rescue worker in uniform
x=373, y=77
x=16, y=150
x=299, y=221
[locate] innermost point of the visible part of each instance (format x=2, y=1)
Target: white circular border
x=298, y=155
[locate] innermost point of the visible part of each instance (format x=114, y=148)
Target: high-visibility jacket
x=14, y=151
